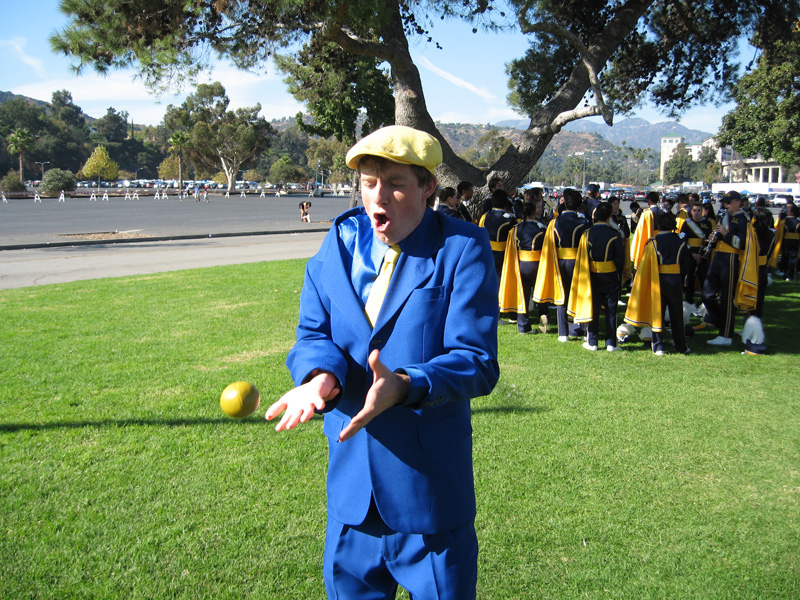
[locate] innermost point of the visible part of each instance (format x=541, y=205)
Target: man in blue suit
x=395, y=383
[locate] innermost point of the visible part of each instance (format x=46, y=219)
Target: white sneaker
x=720, y=341
x=613, y=348
x=588, y=346
x=659, y=353
x=563, y=338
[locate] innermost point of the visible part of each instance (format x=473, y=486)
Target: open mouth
x=381, y=220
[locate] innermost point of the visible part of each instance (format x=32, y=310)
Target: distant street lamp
x=585, y=152
x=47, y=162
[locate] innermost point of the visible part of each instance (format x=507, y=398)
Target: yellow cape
x=747, y=286
x=644, y=231
x=511, y=296
x=778, y=247
x=627, y=269
x=644, y=305
x=549, y=287
x=579, y=306
x=681, y=219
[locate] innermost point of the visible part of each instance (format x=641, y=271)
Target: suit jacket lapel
x=337, y=277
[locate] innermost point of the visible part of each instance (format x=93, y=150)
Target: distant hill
x=577, y=136
x=6, y=96
x=463, y=136
x=636, y=133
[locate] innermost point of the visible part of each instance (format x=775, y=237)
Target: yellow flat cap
x=398, y=144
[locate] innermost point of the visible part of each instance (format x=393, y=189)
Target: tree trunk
x=180, y=173
x=513, y=166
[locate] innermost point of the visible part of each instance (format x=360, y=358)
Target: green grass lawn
x=599, y=475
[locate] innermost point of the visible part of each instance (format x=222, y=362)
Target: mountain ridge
x=634, y=131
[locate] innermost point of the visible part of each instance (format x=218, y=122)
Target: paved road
x=25, y=222
x=41, y=266
x=56, y=242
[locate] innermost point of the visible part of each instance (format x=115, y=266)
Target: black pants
x=605, y=297
x=697, y=272
x=567, y=268
x=671, y=298
x=721, y=280
x=528, y=270
x=790, y=249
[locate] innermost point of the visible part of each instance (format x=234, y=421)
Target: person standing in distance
x=394, y=377
x=719, y=287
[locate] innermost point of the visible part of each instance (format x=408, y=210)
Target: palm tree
x=177, y=142
x=19, y=141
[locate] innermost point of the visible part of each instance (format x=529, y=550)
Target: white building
x=752, y=175
x=670, y=143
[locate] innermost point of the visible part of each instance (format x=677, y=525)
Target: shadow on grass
x=15, y=427
x=781, y=313
x=510, y=409
x=252, y=420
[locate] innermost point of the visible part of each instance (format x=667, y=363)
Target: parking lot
x=25, y=222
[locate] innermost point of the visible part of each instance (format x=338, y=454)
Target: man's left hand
x=388, y=389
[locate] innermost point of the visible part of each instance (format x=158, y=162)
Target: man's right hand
x=301, y=402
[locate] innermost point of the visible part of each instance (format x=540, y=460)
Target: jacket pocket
x=431, y=294
x=445, y=431
x=332, y=425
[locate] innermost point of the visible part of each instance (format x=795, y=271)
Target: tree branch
x=594, y=81
x=336, y=32
x=571, y=115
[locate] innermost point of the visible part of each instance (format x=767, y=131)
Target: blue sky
x=464, y=82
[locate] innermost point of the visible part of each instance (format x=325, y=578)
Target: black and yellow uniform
x=766, y=245
x=695, y=234
x=498, y=223
x=790, y=246
x=530, y=237
x=568, y=228
x=719, y=288
x=606, y=262
x=674, y=260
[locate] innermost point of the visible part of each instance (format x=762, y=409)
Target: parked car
x=778, y=199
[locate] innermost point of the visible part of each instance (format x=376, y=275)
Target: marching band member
x=658, y=285
x=597, y=278
x=722, y=276
x=520, y=267
x=559, y=251
x=695, y=231
x=645, y=229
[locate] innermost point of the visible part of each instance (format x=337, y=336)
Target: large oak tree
x=585, y=57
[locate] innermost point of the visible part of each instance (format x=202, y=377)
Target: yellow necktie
x=378, y=291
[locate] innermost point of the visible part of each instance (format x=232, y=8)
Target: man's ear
x=429, y=188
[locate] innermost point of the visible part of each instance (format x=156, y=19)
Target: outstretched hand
x=301, y=402
x=388, y=389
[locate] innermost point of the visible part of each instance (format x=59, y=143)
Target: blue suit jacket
x=438, y=324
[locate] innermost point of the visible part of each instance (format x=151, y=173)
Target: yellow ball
x=239, y=399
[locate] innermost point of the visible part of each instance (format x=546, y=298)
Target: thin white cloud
x=17, y=46
x=482, y=92
x=120, y=90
